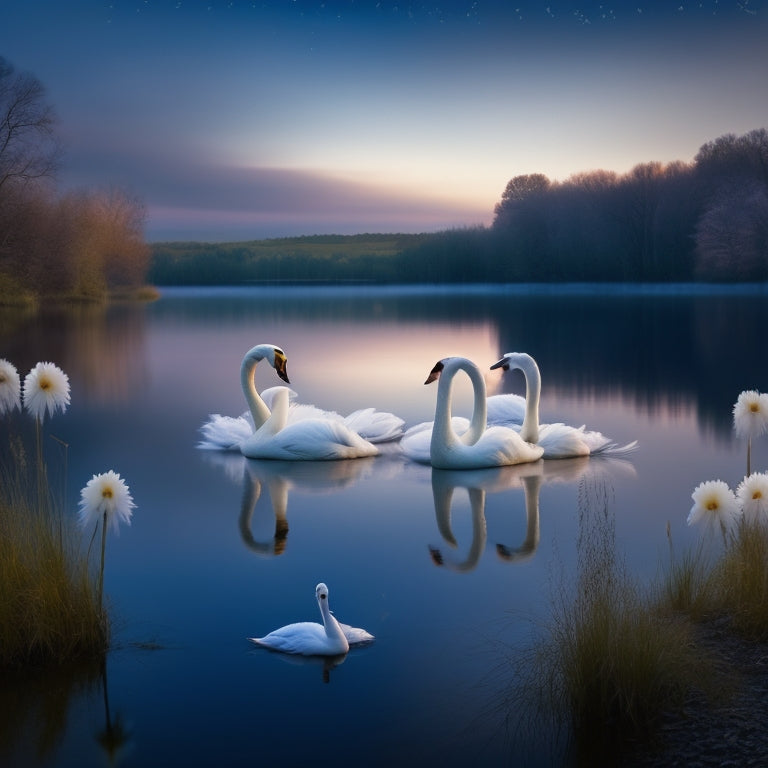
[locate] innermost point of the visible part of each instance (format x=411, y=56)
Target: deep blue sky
x=236, y=120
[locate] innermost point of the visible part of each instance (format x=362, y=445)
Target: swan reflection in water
x=280, y=477
x=530, y=477
x=325, y=663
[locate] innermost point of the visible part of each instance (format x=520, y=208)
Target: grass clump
x=612, y=657
x=741, y=578
x=49, y=608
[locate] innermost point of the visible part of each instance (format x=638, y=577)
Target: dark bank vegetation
x=702, y=221
x=77, y=245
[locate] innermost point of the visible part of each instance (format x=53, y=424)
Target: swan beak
x=281, y=367
x=434, y=374
x=503, y=364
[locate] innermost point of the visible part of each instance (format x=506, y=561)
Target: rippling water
x=451, y=571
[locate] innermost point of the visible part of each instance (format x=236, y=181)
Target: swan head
x=434, y=374
x=520, y=360
x=273, y=355
x=321, y=592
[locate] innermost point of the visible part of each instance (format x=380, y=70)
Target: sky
x=248, y=119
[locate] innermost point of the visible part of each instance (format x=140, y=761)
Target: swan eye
x=322, y=596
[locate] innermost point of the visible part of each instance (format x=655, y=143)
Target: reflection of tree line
x=101, y=347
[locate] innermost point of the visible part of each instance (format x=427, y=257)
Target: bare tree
x=732, y=234
x=29, y=150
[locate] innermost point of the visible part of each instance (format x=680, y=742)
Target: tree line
x=81, y=244
x=682, y=222
x=701, y=221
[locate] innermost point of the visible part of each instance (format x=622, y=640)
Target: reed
x=742, y=580
x=49, y=607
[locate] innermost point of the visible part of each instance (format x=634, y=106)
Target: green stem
x=101, y=572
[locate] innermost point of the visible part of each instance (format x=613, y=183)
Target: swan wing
x=506, y=409
x=355, y=635
x=561, y=441
x=225, y=433
x=497, y=447
x=308, y=440
x=416, y=440
x=375, y=426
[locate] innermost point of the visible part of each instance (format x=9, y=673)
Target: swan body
x=479, y=446
x=308, y=440
x=323, y=434
x=559, y=441
x=312, y=639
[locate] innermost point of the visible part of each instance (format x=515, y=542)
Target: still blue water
x=451, y=598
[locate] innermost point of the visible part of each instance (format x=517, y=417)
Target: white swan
x=479, y=446
x=227, y=433
x=559, y=441
x=312, y=639
x=305, y=440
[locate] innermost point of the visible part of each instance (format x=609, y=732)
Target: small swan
x=559, y=441
x=227, y=433
x=480, y=446
x=309, y=638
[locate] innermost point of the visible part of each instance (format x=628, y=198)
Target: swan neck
x=442, y=431
x=332, y=629
x=530, y=429
x=256, y=405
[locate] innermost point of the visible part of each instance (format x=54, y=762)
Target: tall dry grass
x=49, y=610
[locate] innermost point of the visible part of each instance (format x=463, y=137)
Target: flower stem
x=101, y=572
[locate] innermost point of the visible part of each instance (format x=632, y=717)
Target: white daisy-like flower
x=715, y=505
x=750, y=414
x=106, y=494
x=46, y=388
x=10, y=387
x=752, y=496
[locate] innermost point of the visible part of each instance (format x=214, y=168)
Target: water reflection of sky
x=445, y=569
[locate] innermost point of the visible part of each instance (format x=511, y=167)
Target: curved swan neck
x=530, y=429
x=256, y=405
x=332, y=628
x=442, y=430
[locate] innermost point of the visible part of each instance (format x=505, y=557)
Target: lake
x=453, y=572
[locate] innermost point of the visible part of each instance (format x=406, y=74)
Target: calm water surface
x=452, y=583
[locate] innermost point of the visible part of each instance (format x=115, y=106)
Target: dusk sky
x=240, y=120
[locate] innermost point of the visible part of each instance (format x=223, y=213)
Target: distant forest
x=681, y=222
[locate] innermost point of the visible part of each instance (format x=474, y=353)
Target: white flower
x=106, y=494
x=715, y=503
x=752, y=495
x=46, y=387
x=750, y=414
x=10, y=387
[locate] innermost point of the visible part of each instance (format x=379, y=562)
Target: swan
x=559, y=441
x=306, y=440
x=480, y=446
x=309, y=638
x=227, y=433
